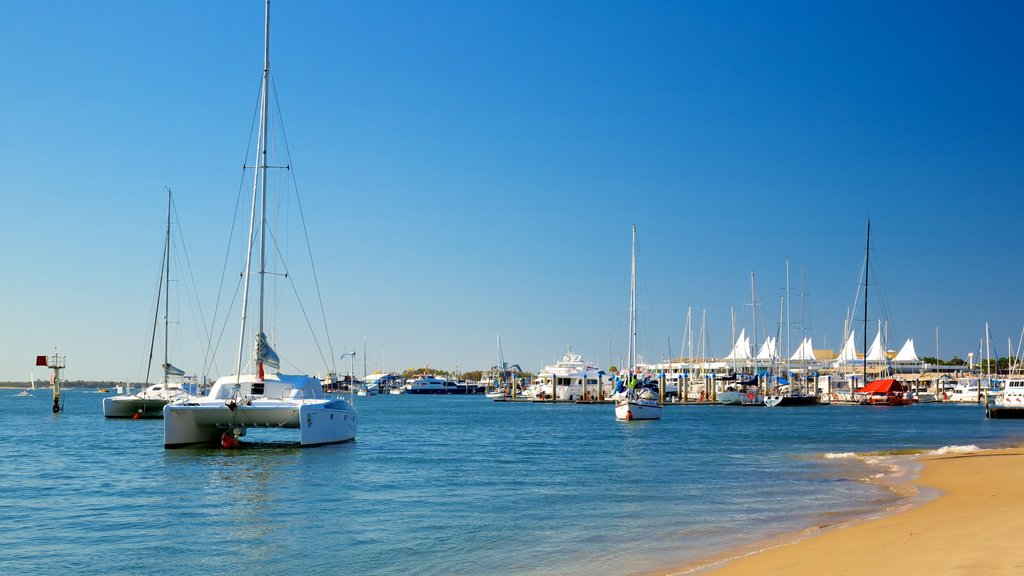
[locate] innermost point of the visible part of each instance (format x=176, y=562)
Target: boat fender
x=137, y=415
x=629, y=415
x=750, y=396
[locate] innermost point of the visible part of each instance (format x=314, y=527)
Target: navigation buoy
x=228, y=442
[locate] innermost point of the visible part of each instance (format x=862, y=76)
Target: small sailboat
x=638, y=403
x=261, y=399
x=150, y=402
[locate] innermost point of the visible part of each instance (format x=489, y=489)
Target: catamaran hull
x=775, y=400
x=132, y=406
x=637, y=410
x=319, y=423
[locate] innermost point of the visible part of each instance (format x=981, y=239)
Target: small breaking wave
x=953, y=450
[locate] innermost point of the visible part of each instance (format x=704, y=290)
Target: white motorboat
x=741, y=393
x=1010, y=402
x=150, y=402
x=569, y=379
x=966, y=391
x=245, y=400
x=639, y=402
x=637, y=407
x=435, y=385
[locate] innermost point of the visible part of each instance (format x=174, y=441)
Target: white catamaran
x=241, y=401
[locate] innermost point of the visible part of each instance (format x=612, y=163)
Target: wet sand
x=975, y=526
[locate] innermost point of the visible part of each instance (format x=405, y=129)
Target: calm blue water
x=442, y=485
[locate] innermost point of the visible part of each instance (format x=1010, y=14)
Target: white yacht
x=1010, y=402
x=565, y=380
x=435, y=385
x=246, y=400
x=966, y=391
x=741, y=393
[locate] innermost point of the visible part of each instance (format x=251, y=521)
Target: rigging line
x=207, y=330
x=224, y=327
x=308, y=323
x=156, y=315
x=209, y=359
x=305, y=230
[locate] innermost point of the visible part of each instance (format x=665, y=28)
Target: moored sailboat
x=150, y=401
x=636, y=403
x=259, y=400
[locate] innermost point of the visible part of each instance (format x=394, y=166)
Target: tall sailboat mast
x=867, y=270
x=631, y=346
x=167, y=291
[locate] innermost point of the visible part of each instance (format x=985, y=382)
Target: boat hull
x=638, y=410
x=320, y=422
x=1006, y=412
x=133, y=407
x=776, y=400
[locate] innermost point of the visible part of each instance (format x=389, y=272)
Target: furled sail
x=264, y=353
x=170, y=370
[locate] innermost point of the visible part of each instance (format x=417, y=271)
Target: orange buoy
x=227, y=441
x=138, y=414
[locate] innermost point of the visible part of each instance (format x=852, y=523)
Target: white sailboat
x=635, y=404
x=150, y=402
x=261, y=400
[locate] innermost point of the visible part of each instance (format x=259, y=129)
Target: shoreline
x=958, y=512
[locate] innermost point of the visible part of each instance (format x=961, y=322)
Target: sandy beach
x=973, y=527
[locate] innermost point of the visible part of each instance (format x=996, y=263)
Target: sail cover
x=264, y=353
x=172, y=370
x=907, y=353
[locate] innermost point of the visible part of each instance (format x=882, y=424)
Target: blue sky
x=468, y=168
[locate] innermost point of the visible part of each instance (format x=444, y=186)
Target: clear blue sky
x=473, y=167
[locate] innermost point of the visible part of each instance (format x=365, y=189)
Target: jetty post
x=56, y=363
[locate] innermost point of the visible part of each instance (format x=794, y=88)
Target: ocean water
x=444, y=485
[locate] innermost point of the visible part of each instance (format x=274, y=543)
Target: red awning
x=884, y=386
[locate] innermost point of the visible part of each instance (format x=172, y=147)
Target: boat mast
x=789, y=343
x=867, y=270
x=167, y=290
x=631, y=346
x=156, y=314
